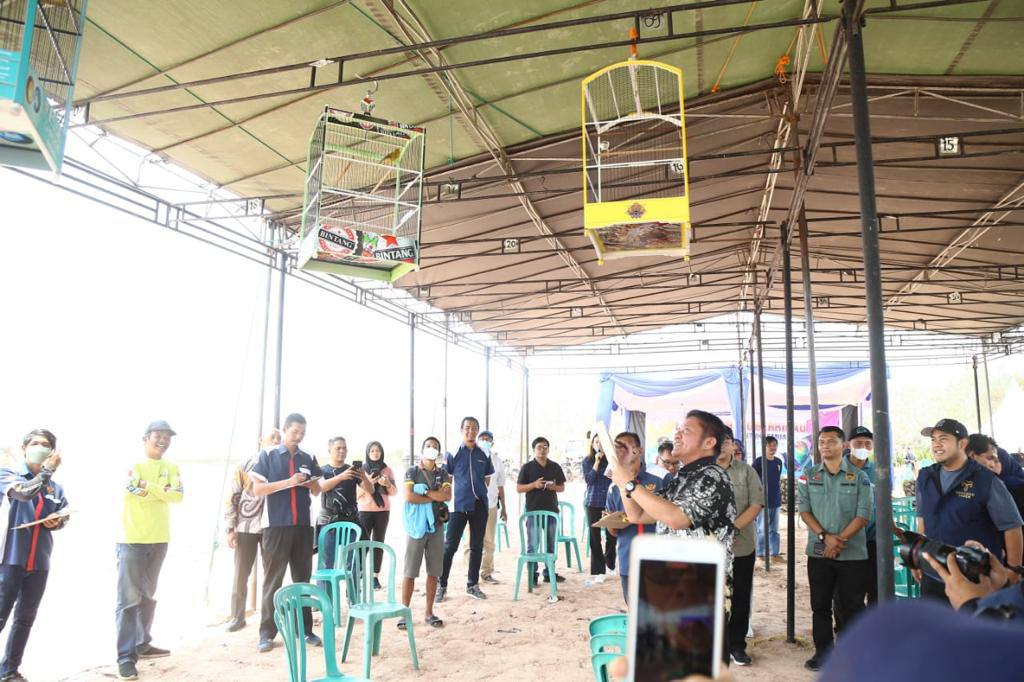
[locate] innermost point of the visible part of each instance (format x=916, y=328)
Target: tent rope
x=732, y=48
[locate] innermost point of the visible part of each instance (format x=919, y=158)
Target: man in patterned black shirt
x=699, y=502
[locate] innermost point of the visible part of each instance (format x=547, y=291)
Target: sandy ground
x=496, y=639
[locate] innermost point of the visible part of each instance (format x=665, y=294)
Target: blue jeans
x=533, y=531
x=773, y=531
x=138, y=568
x=625, y=588
x=26, y=589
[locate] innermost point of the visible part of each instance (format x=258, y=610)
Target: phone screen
x=675, y=621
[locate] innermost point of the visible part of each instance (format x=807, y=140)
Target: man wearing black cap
x=861, y=447
x=960, y=500
x=152, y=484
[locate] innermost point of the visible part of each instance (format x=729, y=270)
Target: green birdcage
x=363, y=197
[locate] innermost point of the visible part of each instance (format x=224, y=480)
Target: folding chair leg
x=519, y=575
x=348, y=637
x=412, y=643
x=367, y=648
x=377, y=631
x=579, y=562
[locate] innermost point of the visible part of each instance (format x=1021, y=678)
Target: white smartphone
x=676, y=607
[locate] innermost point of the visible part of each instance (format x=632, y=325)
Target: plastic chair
x=611, y=641
x=344, y=532
x=610, y=624
x=501, y=528
x=362, y=603
x=567, y=533
x=600, y=662
x=539, y=521
x=289, y=601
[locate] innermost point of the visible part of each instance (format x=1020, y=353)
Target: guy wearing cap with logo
x=29, y=496
x=960, y=500
x=286, y=476
x=861, y=445
x=153, y=484
x=836, y=502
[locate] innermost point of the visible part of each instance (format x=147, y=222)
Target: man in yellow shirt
x=152, y=485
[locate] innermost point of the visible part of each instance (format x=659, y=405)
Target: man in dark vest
x=960, y=500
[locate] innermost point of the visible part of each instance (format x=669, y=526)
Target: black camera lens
x=357, y=465
x=972, y=562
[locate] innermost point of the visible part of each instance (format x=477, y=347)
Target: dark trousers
x=457, y=521
x=245, y=557
x=138, y=569
x=24, y=588
x=284, y=547
x=599, y=560
x=826, y=576
x=739, y=614
x=872, y=577
x=375, y=527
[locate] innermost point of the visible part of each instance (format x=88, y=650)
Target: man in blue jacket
x=959, y=500
x=29, y=496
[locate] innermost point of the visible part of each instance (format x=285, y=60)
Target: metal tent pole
x=873, y=303
x=787, y=288
x=444, y=399
x=977, y=390
x=283, y=261
x=268, y=236
x=487, y=387
x=764, y=432
x=412, y=389
x=739, y=417
x=812, y=365
x=988, y=395
x=753, y=411
x=526, y=415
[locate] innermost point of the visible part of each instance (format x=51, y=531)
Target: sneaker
x=313, y=640
x=376, y=584
x=265, y=645
x=150, y=651
x=489, y=579
x=558, y=578
x=441, y=592
x=475, y=592
x=127, y=671
x=13, y=677
x=814, y=662
x=235, y=625
x=598, y=579
x=740, y=658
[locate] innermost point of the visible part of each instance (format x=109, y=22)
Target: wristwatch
x=629, y=488
x=821, y=537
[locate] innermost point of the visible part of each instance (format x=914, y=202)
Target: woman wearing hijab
x=375, y=507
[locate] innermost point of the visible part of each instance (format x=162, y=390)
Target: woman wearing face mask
x=28, y=495
x=375, y=507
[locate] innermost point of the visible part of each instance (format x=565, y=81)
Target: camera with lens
x=973, y=563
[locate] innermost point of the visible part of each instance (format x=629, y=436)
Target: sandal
x=401, y=625
x=435, y=622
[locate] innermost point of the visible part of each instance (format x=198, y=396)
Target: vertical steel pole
x=412, y=389
x=977, y=391
x=487, y=387
x=444, y=400
x=988, y=394
x=812, y=365
x=764, y=431
x=873, y=303
x=523, y=456
x=753, y=410
x=268, y=234
x=787, y=288
x=283, y=261
x=739, y=417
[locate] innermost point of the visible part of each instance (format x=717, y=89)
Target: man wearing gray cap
x=152, y=485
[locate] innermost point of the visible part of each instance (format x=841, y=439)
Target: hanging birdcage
x=635, y=184
x=364, y=192
x=39, y=45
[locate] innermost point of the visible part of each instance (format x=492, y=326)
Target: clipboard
x=61, y=514
x=615, y=521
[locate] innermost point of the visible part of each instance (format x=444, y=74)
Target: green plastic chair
x=344, y=532
x=539, y=521
x=362, y=603
x=906, y=586
x=611, y=624
x=613, y=643
x=501, y=528
x=289, y=601
x=567, y=533
x=600, y=662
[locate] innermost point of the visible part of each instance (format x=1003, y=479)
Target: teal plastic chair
x=289, y=601
x=339, y=534
x=600, y=661
x=610, y=643
x=613, y=623
x=906, y=586
x=567, y=533
x=539, y=522
x=362, y=603
x=499, y=529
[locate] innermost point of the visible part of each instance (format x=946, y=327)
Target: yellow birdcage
x=635, y=180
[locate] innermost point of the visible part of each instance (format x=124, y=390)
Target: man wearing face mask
x=153, y=485
x=30, y=496
x=861, y=445
x=496, y=507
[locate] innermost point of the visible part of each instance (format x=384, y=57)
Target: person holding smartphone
x=286, y=476
x=541, y=480
x=338, y=493
x=375, y=504
x=594, y=466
